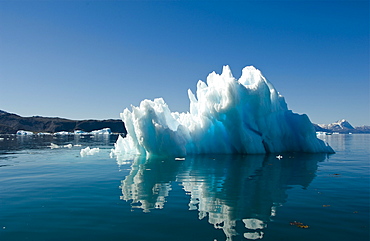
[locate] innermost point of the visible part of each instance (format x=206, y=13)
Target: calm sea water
x=55, y=194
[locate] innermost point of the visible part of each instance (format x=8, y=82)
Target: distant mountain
x=11, y=123
x=338, y=126
x=341, y=126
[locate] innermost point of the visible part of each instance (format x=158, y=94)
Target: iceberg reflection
x=149, y=182
x=228, y=189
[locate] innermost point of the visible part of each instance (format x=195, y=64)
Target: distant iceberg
x=104, y=131
x=80, y=132
x=55, y=146
x=44, y=134
x=229, y=116
x=24, y=133
x=63, y=133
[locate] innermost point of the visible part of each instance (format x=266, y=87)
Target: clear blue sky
x=92, y=59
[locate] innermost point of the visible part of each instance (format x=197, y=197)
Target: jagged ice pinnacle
x=245, y=116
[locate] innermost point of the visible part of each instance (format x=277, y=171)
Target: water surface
x=55, y=194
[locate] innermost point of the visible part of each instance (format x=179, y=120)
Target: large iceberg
x=229, y=116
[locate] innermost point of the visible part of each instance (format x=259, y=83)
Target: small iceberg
x=44, y=134
x=62, y=133
x=24, y=133
x=88, y=151
x=55, y=146
x=80, y=132
x=104, y=131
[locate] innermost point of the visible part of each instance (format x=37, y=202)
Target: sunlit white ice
x=89, y=151
x=246, y=116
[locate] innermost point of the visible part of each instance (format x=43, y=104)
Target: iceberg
x=104, y=131
x=79, y=132
x=55, y=146
x=62, y=133
x=44, y=134
x=24, y=133
x=89, y=151
x=226, y=116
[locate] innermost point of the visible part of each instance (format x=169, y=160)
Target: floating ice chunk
x=253, y=235
x=68, y=146
x=79, y=132
x=253, y=223
x=24, y=133
x=87, y=151
x=246, y=116
x=43, y=134
x=104, y=131
x=62, y=133
x=54, y=146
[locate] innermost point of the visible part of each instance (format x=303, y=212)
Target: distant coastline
x=11, y=123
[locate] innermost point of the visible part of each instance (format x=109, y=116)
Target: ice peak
x=226, y=72
x=250, y=76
